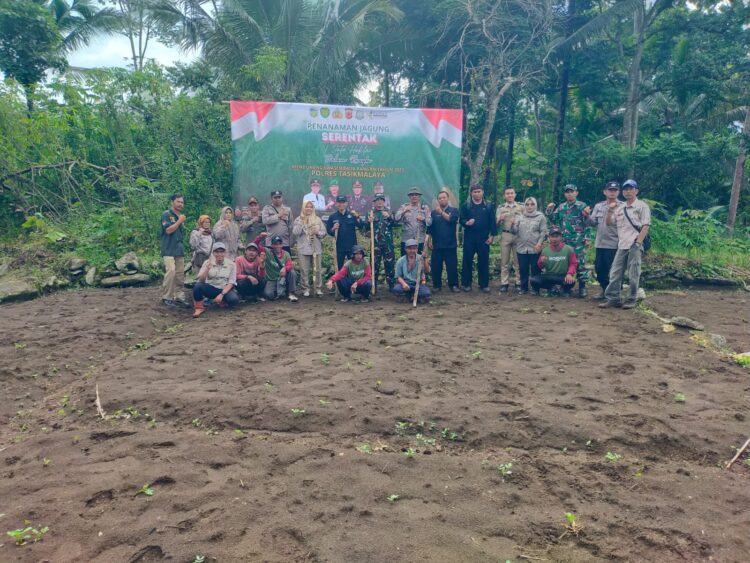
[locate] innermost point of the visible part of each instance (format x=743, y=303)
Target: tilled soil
x=277, y=431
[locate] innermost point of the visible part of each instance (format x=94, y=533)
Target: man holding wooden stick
x=411, y=271
x=382, y=224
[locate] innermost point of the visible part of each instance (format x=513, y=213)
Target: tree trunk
x=386, y=88
x=511, y=142
x=630, y=124
x=563, y=105
x=476, y=164
x=739, y=170
x=28, y=90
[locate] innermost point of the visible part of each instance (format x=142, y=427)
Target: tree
x=78, y=21
x=29, y=45
x=498, y=44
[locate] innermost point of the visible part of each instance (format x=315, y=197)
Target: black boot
x=582, y=291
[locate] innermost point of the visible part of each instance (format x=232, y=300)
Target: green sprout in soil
x=505, y=470
x=298, y=412
x=476, y=355
x=409, y=452
x=46, y=462
x=19, y=346
x=196, y=422
x=325, y=359
x=449, y=435
x=589, y=443
x=612, y=456
x=572, y=526
x=679, y=398
x=145, y=490
x=392, y=498
x=239, y=434
x=199, y=559
x=324, y=403
x=364, y=448
x=741, y=359
x=268, y=386
x=402, y=426
x=425, y=441
x=22, y=536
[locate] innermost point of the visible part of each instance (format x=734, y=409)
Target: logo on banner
x=325, y=112
x=313, y=112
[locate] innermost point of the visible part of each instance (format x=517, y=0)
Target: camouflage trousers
x=384, y=254
x=582, y=274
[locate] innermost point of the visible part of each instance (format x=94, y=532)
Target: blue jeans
x=345, y=288
x=202, y=290
x=424, y=291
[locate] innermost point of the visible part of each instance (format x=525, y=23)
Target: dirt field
x=277, y=432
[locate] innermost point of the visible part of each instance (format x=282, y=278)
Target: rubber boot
x=199, y=308
x=582, y=291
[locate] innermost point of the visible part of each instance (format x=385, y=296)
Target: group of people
x=543, y=250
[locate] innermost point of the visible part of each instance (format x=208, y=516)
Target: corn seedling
x=505, y=470
x=679, y=398
x=324, y=403
x=612, y=456
x=364, y=448
x=196, y=422
x=22, y=536
x=239, y=434
x=19, y=345
x=392, y=498
x=145, y=490
x=298, y=412
x=46, y=462
x=325, y=359
x=402, y=426
x=572, y=526
x=476, y=355
x=425, y=441
x=409, y=452
x=199, y=559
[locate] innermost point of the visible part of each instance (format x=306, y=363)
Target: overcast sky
x=115, y=51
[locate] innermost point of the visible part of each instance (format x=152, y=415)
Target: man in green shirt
x=173, y=253
x=558, y=263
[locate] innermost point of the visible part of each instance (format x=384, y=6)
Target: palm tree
x=80, y=20
x=320, y=41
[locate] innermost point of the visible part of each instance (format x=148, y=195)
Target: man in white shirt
x=633, y=219
x=318, y=199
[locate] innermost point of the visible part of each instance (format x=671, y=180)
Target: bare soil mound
x=321, y=431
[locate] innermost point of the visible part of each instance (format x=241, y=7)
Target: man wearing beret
x=383, y=224
x=278, y=220
x=570, y=217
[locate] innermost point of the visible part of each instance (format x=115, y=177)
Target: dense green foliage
x=94, y=155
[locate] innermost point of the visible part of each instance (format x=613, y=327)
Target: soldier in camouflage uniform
x=570, y=217
x=383, y=231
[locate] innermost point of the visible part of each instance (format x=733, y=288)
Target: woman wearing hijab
x=201, y=241
x=531, y=228
x=227, y=231
x=308, y=229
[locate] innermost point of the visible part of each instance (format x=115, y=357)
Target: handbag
x=647, y=240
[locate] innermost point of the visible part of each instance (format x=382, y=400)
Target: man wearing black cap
x=278, y=220
x=280, y=276
x=442, y=233
x=415, y=219
x=478, y=220
x=633, y=220
x=570, y=217
x=344, y=222
x=558, y=264
x=318, y=199
x=383, y=224
x=606, y=235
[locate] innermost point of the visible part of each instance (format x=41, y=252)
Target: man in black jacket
x=442, y=233
x=345, y=222
x=478, y=220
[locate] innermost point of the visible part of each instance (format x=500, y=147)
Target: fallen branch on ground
x=99, y=408
x=739, y=453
